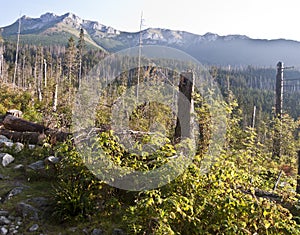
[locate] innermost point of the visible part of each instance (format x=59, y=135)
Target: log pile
x=20, y=130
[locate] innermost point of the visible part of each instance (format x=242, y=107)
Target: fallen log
x=23, y=137
x=20, y=130
x=57, y=136
x=13, y=123
x=35, y=137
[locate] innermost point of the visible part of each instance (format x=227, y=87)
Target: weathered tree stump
x=185, y=106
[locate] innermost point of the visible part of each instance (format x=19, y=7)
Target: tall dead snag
x=278, y=110
x=185, y=106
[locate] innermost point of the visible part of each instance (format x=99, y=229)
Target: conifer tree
x=81, y=48
x=71, y=61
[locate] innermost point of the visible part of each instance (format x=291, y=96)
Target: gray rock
x=6, y=144
x=14, y=192
x=4, y=220
x=39, y=165
x=19, y=167
x=34, y=228
x=39, y=202
x=97, y=232
x=6, y=159
x=118, y=231
x=31, y=146
x=11, y=217
x=3, y=231
x=18, y=147
x=4, y=213
x=53, y=160
x=72, y=229
x=4, y=139
x=27, y=210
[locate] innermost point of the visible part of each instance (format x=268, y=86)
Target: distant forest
x=41, y=68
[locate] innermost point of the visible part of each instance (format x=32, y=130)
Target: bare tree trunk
x=55, y=96
x=185, y=106
x=23, y=73
x=45, y=73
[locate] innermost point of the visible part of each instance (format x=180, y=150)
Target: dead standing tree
x=185, y=106
x=278, y=109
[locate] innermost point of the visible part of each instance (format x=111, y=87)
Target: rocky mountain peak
x=72, y=20
x=48, y=17
x=211, y=36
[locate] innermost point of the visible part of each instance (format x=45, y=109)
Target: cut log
x=23, y=137
x=35, y=137
x=57, y=136
x=13, y=123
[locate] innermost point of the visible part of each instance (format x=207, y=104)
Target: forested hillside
x=245, y=190
x=253, y=86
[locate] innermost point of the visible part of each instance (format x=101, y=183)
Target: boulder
x=11, y=193
x=6, y=159
x=4, y=139
x=118, y=231
x=52, y=160
x=27, y=211
x=34, y=228
x=97, y=232
x=4, y=213
x=3, y=231
x=31, y=146
x=4, y=220
x=18, y=147
x=15, y=112
x=38, y=165
x=19, y=167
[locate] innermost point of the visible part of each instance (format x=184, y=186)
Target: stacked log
x=20, y=130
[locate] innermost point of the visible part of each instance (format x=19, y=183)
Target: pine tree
x=70, y=61
x=81, y=48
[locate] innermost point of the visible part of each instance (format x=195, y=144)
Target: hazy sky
x=255, y=18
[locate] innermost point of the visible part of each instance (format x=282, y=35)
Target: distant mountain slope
x=237, y=50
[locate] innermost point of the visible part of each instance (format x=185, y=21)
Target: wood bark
x=20, y=130
x=35, y=137
x=13, y=123
x=23, y=137
x=185, y=106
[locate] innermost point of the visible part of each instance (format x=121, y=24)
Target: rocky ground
x=26, y=203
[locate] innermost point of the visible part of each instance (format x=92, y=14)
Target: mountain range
x=235, y=50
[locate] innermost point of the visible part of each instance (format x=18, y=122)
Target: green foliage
x=207, y=204
x=222, y=201
x=13, y=99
